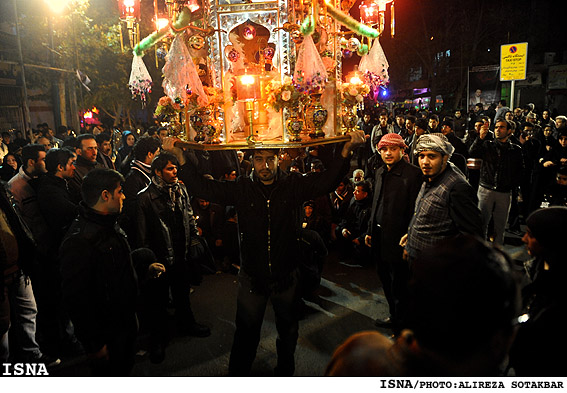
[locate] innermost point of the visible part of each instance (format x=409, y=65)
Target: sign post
x=513, y=65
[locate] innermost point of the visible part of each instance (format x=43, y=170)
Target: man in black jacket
x=87, y=151
x=139, y=177
x=166, y=226
x=98, y=280
x=501, y=171
x=535, y=351
x=268, y=205
x=396, y=186
x=59, y=212
x=351, y=230
x=17, y=301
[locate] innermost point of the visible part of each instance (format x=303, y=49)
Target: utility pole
x=26, y=108
x=55, y=97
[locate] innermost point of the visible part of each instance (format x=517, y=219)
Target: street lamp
x=373, y=13
x=130, y=14
x=57, y=6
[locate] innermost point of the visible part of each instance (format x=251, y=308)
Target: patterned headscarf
x=391, y=139
x=434, y=142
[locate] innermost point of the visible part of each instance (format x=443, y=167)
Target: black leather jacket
x=154, y=225
x=98, y=280
x=502, y=164
x=268, y=216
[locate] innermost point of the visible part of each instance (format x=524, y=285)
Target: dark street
x=349, y=299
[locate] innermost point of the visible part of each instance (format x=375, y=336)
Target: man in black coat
x=396, y=186
x=139, y=177
x=166, y=225
x=87, y=150
x=99, y=282
x=351, y=230
x=536, y=350
x=268, y=205
x=59, y=211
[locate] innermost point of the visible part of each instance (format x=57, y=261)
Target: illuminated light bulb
x=161, y=23
x=193, y=5
x=57, y=6
x=247, y=79
x=355, y=80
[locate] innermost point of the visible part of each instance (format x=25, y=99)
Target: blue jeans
x=494, y=204
x=250, y=310
x=23, y=323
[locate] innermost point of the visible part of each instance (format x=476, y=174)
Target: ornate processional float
x=259, y=74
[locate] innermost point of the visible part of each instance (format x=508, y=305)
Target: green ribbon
x=183, y=21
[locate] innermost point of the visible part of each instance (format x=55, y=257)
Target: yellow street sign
x=513, y=61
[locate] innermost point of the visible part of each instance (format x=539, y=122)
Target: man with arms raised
x=268, y=205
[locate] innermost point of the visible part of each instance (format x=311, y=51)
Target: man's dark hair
x=317, y=164
x=365, y=184
x=411, y=118
x=227, y=170
x=479, y=105
x=508, y=125
x=275, y=152
x=62, y=130
x=562, y=170
x=421, y=123
x=449, y=123
x=503, y=102
x=152, y=130
x=31, y=152
x=434, y=117
x=160, y=129
x=56, y=157
x=6, y=133
x=84, y=137
x=445, y=305
x=102, y=137
x=71, y=141
x=145, y=145
x=160, y=162
x=527, y=124
x=98, y=180
x=485, y=118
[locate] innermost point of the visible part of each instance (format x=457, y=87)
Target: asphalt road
x=349, y=299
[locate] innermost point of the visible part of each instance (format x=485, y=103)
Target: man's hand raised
x=357, y=138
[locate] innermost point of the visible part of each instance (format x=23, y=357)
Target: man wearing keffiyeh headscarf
x=446, y=204
x=166, y=225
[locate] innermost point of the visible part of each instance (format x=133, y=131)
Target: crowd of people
x=105, y=228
